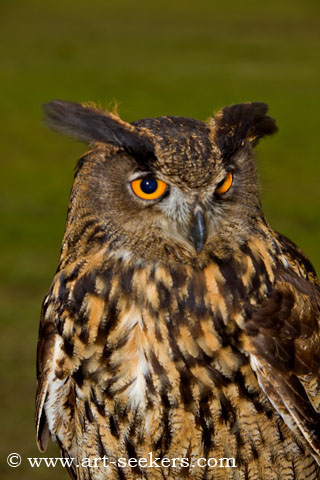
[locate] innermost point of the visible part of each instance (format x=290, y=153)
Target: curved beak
x=198, y=231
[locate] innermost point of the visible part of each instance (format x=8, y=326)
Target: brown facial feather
x=146, y=345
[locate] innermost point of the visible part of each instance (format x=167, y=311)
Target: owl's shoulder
x=297, y=260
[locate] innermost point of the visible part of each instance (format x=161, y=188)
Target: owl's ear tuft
x=90, y=124
x=236, y=124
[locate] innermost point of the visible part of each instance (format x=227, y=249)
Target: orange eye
x=148, y=188
x=226, y=183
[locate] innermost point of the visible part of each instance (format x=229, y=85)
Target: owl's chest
x=162, y=330
x=160, y=361
x=158, y=357
x=138, y=331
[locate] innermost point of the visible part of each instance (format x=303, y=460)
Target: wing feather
x=53, y=387
x=285, y=337
x=45, y=350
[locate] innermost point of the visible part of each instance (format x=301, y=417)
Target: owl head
x=169, y=188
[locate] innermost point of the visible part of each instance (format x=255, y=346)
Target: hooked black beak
x=198, y=229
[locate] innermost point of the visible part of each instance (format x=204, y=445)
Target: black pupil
x=149, y=185
x=222, y=182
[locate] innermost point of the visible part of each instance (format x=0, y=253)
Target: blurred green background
x=152, y=58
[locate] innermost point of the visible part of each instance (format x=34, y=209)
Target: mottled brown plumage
x=183, y=326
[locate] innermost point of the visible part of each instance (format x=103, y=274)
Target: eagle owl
x=180, y=336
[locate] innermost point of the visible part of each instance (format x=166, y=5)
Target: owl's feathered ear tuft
x=239, y=123
x=89, y=124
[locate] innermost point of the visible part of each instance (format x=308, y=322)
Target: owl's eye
x=148, y=188
x=225, y=184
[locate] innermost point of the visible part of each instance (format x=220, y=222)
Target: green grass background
x=152, y=58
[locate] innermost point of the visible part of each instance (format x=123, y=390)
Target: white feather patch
x=55, y=392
